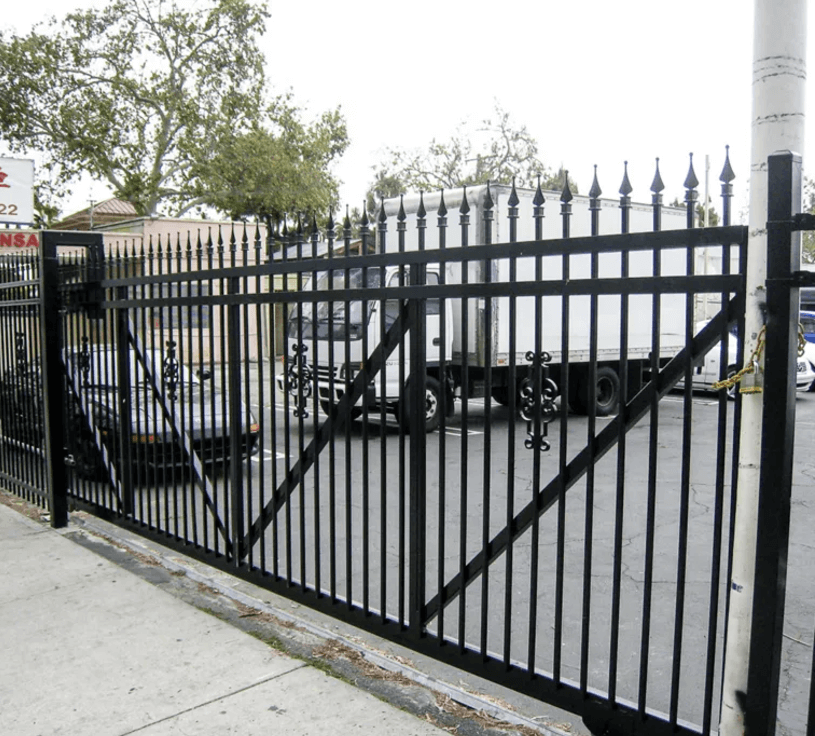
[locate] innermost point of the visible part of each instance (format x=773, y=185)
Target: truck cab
x=340, y=335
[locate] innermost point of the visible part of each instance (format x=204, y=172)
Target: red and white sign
x=19, y=239
x=16, y=191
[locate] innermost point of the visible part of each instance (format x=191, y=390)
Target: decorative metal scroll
x=170, y=372
x=21, y=353
x=538, y=406
x=299, y=379
x=85, y=363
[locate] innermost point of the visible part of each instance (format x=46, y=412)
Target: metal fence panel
x=478, y=441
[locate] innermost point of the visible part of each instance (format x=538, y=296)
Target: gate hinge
x=796, y=278
x=803, y=221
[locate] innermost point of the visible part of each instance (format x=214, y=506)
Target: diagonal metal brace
x=375, y=363
x=154, y=377
x=629, y=416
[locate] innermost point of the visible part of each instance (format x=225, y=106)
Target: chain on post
x=751, y=368
x=751, y=375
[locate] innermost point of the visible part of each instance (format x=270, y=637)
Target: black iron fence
x=22, y=452
x=480, y=439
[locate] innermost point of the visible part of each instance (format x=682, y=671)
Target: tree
x=497, y=151
x=808, y=236
x=146, y=94
x=713, y=216
x=271, y=172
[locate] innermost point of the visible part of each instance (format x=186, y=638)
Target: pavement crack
x=214, y=700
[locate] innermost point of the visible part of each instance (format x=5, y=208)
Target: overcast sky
x=595, y=81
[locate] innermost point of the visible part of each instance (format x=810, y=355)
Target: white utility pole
x=779, y=78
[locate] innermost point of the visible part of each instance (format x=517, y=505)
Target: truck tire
x=432, y=406
x=607, y=393
x=500, y=395
x=331, y=410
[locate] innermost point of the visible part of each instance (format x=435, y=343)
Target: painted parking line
x=267, y=455
x=457, y=432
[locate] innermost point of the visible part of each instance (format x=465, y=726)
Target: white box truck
x=480, y=332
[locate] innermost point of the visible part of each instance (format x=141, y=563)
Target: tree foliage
x=808, y=236
x=496, y=151
x=150, y=96
x=275, y=170
x=713, y=216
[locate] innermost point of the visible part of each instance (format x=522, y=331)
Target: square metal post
x=775, y=484
x=53, y=385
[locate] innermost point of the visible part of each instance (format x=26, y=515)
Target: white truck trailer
x=479, y=334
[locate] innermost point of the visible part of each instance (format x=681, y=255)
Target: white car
x=709, y=371
x=809, y=356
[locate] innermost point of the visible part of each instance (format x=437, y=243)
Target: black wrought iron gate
x=410, y=463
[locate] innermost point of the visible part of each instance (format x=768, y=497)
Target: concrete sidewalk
x=87, y=647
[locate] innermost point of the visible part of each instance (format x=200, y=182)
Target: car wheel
x=87, y=458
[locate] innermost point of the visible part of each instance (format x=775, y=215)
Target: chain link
x=753, y=363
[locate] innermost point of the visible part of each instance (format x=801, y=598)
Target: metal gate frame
x=603, y=715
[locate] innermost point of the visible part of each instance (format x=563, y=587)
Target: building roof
x=104, y=213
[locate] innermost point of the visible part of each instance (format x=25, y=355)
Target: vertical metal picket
x=417, y=311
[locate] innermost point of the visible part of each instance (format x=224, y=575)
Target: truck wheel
x=500, y=395
x=331, y=410
x=432, y=406
x=607, y=393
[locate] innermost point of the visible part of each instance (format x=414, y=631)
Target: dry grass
x=334, y=649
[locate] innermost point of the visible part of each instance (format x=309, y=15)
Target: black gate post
x=124, y=401
x=237, y=549
x=775, y=479
x=417, y=401
x=53, y=392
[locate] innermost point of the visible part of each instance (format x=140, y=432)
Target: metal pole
x=52, y=380
x=779, y=77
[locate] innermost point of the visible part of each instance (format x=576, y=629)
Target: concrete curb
x=226, y=585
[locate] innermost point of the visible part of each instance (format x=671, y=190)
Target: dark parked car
x=175, y=418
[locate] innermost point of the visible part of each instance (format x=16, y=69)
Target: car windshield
x=336, y=319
